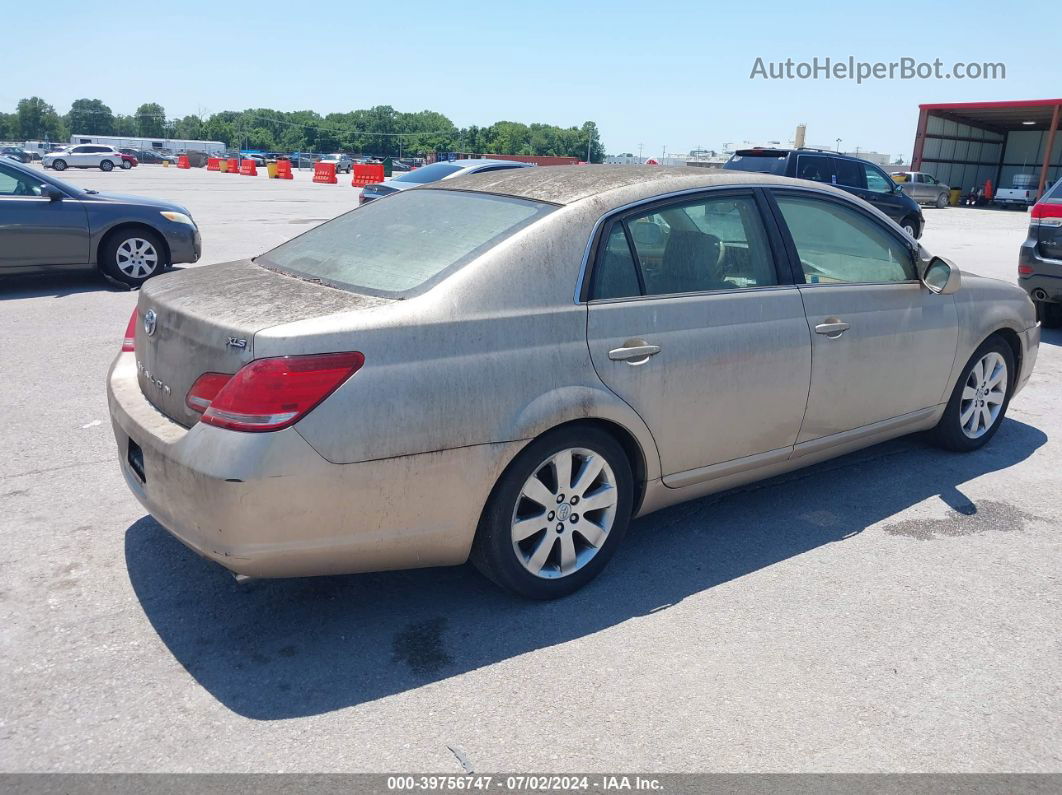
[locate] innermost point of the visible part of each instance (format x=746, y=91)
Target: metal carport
x=966, y=143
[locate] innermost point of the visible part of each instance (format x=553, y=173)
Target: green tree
x=90, y=117
x=125, y=125
x=37, y=120
x=151, y=120
x=8, y=126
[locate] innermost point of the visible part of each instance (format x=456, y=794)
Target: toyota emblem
x=150, y=319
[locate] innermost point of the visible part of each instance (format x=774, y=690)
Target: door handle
x=832, y=327
x=634, y=352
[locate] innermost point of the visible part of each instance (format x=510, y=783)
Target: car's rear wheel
x=126, y=165
x=133, y=257
x=557, y=514
x=942, y=201
x=59, y=165
x=106, y=165
x=1049, y=313
x=979, y=400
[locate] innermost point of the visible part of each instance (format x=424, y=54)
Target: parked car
x=15, y=153
x=859, y=177
x=342, y=162
x=1021, y=193
x=128, y=160
x=50, y=224
x=363, y=398
x=400, y=166
x=1040, y=257
x=923, y=188
x=433, y=173
x=105, y=158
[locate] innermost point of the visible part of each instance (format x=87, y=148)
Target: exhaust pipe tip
x=1040, y=294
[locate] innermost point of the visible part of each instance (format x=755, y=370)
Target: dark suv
x=859, y=177
x=1040, y=258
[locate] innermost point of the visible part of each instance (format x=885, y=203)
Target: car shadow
x=1051, y=336
x=56, y=285
x=285, y=648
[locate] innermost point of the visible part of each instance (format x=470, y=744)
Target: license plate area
x=135, y=457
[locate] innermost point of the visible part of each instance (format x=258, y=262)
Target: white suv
x=84, y=156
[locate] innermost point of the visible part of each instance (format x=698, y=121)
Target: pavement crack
x=462, y=757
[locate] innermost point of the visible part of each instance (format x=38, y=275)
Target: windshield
x=395, y=246
x=432, y=173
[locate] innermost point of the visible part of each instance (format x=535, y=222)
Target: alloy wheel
x=983, y=395
x=137, y=258
x=564, y=513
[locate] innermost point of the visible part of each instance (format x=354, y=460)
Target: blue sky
x=672, y=75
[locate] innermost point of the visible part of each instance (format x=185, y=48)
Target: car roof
x=486, y=161
x=569, y=184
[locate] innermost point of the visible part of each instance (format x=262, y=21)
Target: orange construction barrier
x=248, y=168
x=284, y=169
x=233, y=165
x=325, y=173
x=367, y=174
x=182, y=161
x=213, y=164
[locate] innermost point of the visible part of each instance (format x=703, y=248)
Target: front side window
x=838, y=244
x=876, y=181
x=392, y=248
x=12, y=183
x=710, y=244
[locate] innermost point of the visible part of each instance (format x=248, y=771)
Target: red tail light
x=1043, y=210
x=1025, y=270
x=129, y=343
x=270, y=394
x=205, y=389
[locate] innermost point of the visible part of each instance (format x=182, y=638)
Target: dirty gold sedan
x=511, y=366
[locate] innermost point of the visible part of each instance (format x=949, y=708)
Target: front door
x=34, y=230
x=690, y=324
x=882, y=344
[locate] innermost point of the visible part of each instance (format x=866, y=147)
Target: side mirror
x=51, y=192
x=942, y=277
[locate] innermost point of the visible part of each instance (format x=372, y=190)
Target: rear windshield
x=393, y=246
x=766, y=162
x=1055, y=193
x=432, y=173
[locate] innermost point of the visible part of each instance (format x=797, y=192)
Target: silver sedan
x=512, y=366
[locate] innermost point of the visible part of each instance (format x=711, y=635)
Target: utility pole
x=639, y=153
x=839, y=144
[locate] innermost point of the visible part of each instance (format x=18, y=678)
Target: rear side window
x=766, y=162
x=849, y=173
x=814, y=167
x=839, y=244
x=701, y=246
x=394, y=247
x=432, y=173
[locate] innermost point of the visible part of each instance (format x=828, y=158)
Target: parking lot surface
x=897, y=609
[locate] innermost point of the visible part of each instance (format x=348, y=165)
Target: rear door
x=34, y=230
x=693, y=325
x=882, y=344
x=817, y=168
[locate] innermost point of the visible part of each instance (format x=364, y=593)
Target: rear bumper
x=1046, y=275
x=267, y=505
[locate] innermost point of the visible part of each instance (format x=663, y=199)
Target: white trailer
x=170, y=145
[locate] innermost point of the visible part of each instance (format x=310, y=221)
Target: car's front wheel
x=979, y=400
x=557, y=514
x=59, y=165
x=910, y=226
x=133, y=257
x=942, y=201
x=126, y=165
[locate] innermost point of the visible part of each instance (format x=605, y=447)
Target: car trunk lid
x=204, y=320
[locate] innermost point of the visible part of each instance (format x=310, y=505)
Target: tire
x=910, y=226
x=1049, y=313
x=942, y=201
x=59, y=165
x=584, y=543
x=133, y=256
x=126, y=165
x=971, y=405
x=106, y=165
